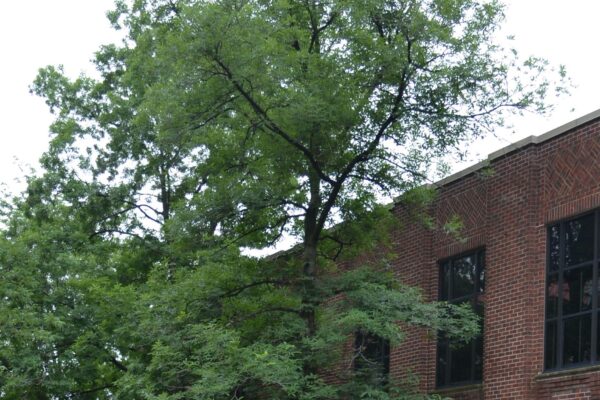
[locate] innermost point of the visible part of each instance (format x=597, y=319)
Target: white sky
x=33, y=34
x=36, y=33
x=563, y=32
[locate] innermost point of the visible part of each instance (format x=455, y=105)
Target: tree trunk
x=309, y=256
x=308, y=295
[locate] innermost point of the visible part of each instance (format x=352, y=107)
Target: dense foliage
x=222, y=125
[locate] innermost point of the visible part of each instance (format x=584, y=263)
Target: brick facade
x=506, y=206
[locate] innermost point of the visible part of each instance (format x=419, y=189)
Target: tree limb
x=272, y=125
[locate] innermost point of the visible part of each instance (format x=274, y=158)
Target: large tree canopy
x=224, y=124
x=253, y=118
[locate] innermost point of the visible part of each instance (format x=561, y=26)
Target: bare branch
x=119, y=231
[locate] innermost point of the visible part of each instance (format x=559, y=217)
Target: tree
x=90, y=318
x=56, y=287
x=232, y=122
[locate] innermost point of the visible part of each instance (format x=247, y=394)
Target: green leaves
x=209, y=363
x=211, y=108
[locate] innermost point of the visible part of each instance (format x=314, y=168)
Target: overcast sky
x=36, y=33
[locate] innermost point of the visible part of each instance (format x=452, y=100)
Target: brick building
x=529, y=258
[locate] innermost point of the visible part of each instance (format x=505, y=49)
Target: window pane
x=478, y=359
x=481, y=279
x=385, y=357
x=442, y=362
x=598, y=338
x=576, y=290
x=460, y=368
x=464, y=270
x=479, y=309
x=478, y=348
x=554, y=248
x=577, y=339
x=550, y=346
x=372, y=358
x=579, y=240
x=552, y=296
x=444, y=281
x=597, y=291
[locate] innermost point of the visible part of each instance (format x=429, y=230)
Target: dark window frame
x=558, y=273
x=476, y=297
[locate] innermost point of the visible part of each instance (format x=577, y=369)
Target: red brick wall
x=505, y=211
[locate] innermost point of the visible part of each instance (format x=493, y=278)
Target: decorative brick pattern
x=573, y=167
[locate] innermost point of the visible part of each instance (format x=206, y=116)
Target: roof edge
x=519, y=145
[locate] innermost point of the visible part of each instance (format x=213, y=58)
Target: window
x=571, y=331
x=462, y=280
x=372, y=358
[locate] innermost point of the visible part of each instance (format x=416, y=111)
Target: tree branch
x=119, y=231
x=93, y=390
x=366, y=153
x=268, y=310
x=272, y=125
x=238, y=290
x=139, y=207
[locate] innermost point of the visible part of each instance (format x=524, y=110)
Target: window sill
x=567, y=372
x=449, y=390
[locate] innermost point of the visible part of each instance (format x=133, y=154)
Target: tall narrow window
x=372, y=358
x=462, y=280
x=571, y=331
